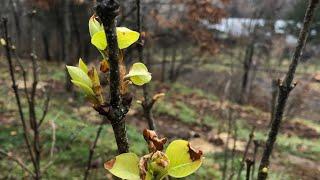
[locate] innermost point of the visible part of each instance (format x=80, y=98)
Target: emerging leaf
x=94, y=25
x=83, y=66
x=79, y=75
x=85, y=89
x=182, y=159
x=99, y=40
x=125, y=166
x=126, y=37
x=139, y=74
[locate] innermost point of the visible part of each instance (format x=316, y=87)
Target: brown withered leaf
x=143, y=165
x=154, y=142
x=194, y=154
x=109, y=164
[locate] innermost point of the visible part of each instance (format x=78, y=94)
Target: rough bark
x=108, y=10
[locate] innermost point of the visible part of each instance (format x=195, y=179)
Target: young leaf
x=99, y=40
x=94, y=25
x=83, y=66
x=126, y=37
x=78, y=75
x=182, y=161
x=85, y=89
x=139, y=74
x=125, y=166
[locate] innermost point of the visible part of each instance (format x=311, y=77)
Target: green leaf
x=85, y=89
x=125, y=36
x=125, y=166
x=181, y=164
x=139, y=74
x=78, y=75
x=94, y=26
x=99, y=40
x=83, y=66
x=3, y=42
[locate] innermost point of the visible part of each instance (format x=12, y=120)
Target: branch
x=15, y=89
x=92, y=149
x=17, y=160
x=107, y=11
x=285, y=89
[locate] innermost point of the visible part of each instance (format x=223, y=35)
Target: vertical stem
x=15, y=89
x=108, y=10
x=147, y=108
x=251, y=135
x=91, y=152
x=285, y=89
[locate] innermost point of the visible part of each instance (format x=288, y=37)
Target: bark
x=107, y=11
x=284, y=90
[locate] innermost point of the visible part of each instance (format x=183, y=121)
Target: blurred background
x=217, y=61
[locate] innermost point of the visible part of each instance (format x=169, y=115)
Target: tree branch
x=107, y=11
x=285, y=89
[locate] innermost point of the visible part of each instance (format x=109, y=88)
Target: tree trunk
x=67, y=41
x=246, y=70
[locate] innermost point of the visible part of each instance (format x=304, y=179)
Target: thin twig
x=17, y=160
x=15, y=89
x=284, y=90
x=244, y=157
x=91, y=152
x=147, y=104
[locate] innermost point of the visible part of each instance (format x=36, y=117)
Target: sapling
x=285, y=87
x=111, y=42
x=33, y=122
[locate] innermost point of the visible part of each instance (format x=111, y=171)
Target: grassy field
x=185, y=112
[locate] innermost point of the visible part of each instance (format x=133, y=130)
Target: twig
x=17, y=160
x=15, y=89
x=226, y=150
x=45, y=107
x=249, y=164
x=244, y=157
x=107, y=11
x=147, y=104
x=255, y=151
x=91, y=152
x=285, y=89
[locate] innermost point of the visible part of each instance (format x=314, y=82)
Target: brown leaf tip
x=109, y=164
x=194, y=154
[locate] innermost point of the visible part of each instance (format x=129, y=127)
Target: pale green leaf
x=94, y=26
x=78, y=75
x=125, y=166
x=99, y=40
x=139, y=74
x=125, y=36
x=181, y=164
x=85, y=89
x=83, y=66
